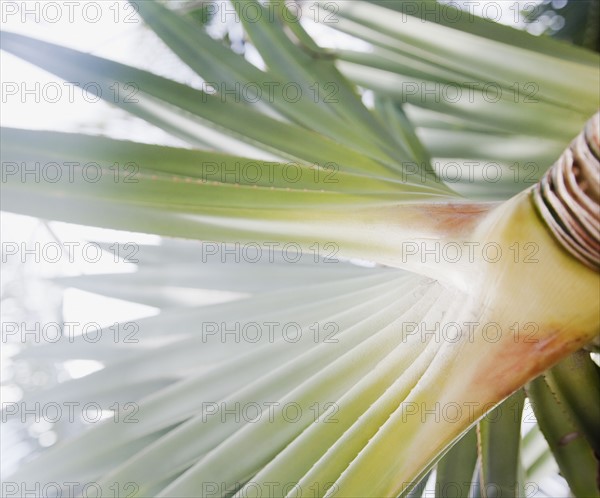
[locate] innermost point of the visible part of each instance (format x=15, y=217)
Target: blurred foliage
x=575, y=21
x=198, y=11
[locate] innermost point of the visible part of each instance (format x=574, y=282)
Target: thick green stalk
x=518, y=318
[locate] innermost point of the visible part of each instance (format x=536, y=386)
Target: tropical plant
x=476, y=286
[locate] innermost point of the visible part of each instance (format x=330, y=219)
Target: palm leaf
x=367, y=186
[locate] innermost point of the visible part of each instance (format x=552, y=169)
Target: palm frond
x=320, y=174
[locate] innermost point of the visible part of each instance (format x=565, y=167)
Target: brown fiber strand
x=568, y=196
